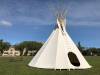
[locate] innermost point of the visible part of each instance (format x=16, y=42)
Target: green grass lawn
x=17, y=66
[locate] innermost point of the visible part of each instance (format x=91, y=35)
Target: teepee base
x=75, y=68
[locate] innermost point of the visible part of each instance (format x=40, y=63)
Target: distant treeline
x=25, y=45
x=35, y=46
x=88, y=51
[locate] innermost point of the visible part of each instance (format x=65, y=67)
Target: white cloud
x=84, y=23
x=5, y=23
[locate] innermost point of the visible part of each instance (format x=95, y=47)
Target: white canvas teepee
x=59, y=51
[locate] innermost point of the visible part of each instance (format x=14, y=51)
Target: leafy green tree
x=80, y=47
x=94, y=51
x=29, y=45
x=98, y=51
x=4, y=46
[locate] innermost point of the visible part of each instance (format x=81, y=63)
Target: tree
x=29, y=45
x=80, y=47
x=98, y=51
x=4, y=46
x=94, y=51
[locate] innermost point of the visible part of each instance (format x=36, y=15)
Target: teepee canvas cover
x=59, y=51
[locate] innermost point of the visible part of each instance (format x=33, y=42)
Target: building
x=11, y=52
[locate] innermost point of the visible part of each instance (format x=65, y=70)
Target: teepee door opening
x=73, y=59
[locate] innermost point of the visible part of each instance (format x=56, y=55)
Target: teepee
x=59, y=51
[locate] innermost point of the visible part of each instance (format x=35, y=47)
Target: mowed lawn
x=18, y=66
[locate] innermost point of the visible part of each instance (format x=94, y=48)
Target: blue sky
x=35, y=19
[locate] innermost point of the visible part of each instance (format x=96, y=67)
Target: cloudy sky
x=35, y=19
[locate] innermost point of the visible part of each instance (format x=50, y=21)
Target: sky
x=34, y=20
